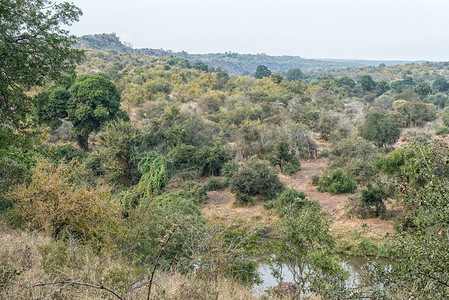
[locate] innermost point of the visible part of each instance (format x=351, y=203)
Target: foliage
x=336, y=182
x=355, y=157
x=419, y=262
x=413, y=113
x=294, y=74
x=66, y=153
x=440, y=84
x=304, y=245
x=255, y=178
x=118, y=141
x=374, y=196
x=291, y=200
x=262, y=71
x=14, y=168
x=184, y=157
x=367, y=83
x=35, y=48
x=212, y=159
x=94, y=100
x=156, y=171
x=51, y=201
x=283, y=157
x=226, y=250
x=380, y=129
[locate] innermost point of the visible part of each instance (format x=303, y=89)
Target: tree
x=94, y=100
x=419, y=262
x=336, y=182
x=382, y=87
x=118, y=140
x=380, y=129
x=276, y=78
x=283, y=157
x=355, y=156
x=294, y=74
x=34, y=49
x=367, y=83
x=262, y=71
x=303, y=243
x=345, y=81
x=423, y=89
x=254, y=178
x=440, y=84
x=413, y=112
x=374, y=196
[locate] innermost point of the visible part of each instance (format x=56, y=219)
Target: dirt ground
x=220, y=203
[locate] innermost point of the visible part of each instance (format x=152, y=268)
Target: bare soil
x=221, y=203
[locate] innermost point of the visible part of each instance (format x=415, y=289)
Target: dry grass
x=37, y=259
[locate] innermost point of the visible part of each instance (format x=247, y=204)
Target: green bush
x=443, y=130
x=184, y=157
x=255, y=178
x=214, y=184
x=67, y=153
x=336, y=182
x=291, y=200
x=323, y=153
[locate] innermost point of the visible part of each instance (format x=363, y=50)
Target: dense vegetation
x=104, y=175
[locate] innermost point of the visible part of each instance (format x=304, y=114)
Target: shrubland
x=104, y=175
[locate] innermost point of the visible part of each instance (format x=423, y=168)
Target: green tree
x=94, y=100
x=345, y=81
x=118, y=141
x=294, y=74
x=34, y=49
x=304, y=245
x=355, y=156
x=382, y=87
x=254, y=178
x=380, y=129
x=440, y=84
x=336, y=182
x=413, y=113
x=367, y=83
x=283, y=157
x=423, y=89
x=419, y=262
x=276, y=78
x=262, y=71
x=374, y=196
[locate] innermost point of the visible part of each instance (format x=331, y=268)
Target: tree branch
x=100, y=287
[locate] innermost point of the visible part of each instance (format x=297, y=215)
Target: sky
x=351, y=29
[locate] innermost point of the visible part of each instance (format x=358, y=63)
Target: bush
x=323, y=153
x=443, y=130
x=67, y=153
x=336, y=182
x=284, y=157
x=61, y=205
x=214, y=184
x=355, y=157
x=255, y=178
x=291, y=200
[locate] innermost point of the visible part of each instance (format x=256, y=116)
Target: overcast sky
x=357, y=29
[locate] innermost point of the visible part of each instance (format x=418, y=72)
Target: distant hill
x=234, y=63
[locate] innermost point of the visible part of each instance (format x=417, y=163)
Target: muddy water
x=353, y=264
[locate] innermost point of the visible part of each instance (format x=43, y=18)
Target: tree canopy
x=262, y=71
x=34, y=48
x=380, y=129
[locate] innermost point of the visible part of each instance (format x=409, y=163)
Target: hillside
x=234, y=63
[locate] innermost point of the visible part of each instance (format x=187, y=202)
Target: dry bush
x=53, y=202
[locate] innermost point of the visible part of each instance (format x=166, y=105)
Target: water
x=353, y=264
